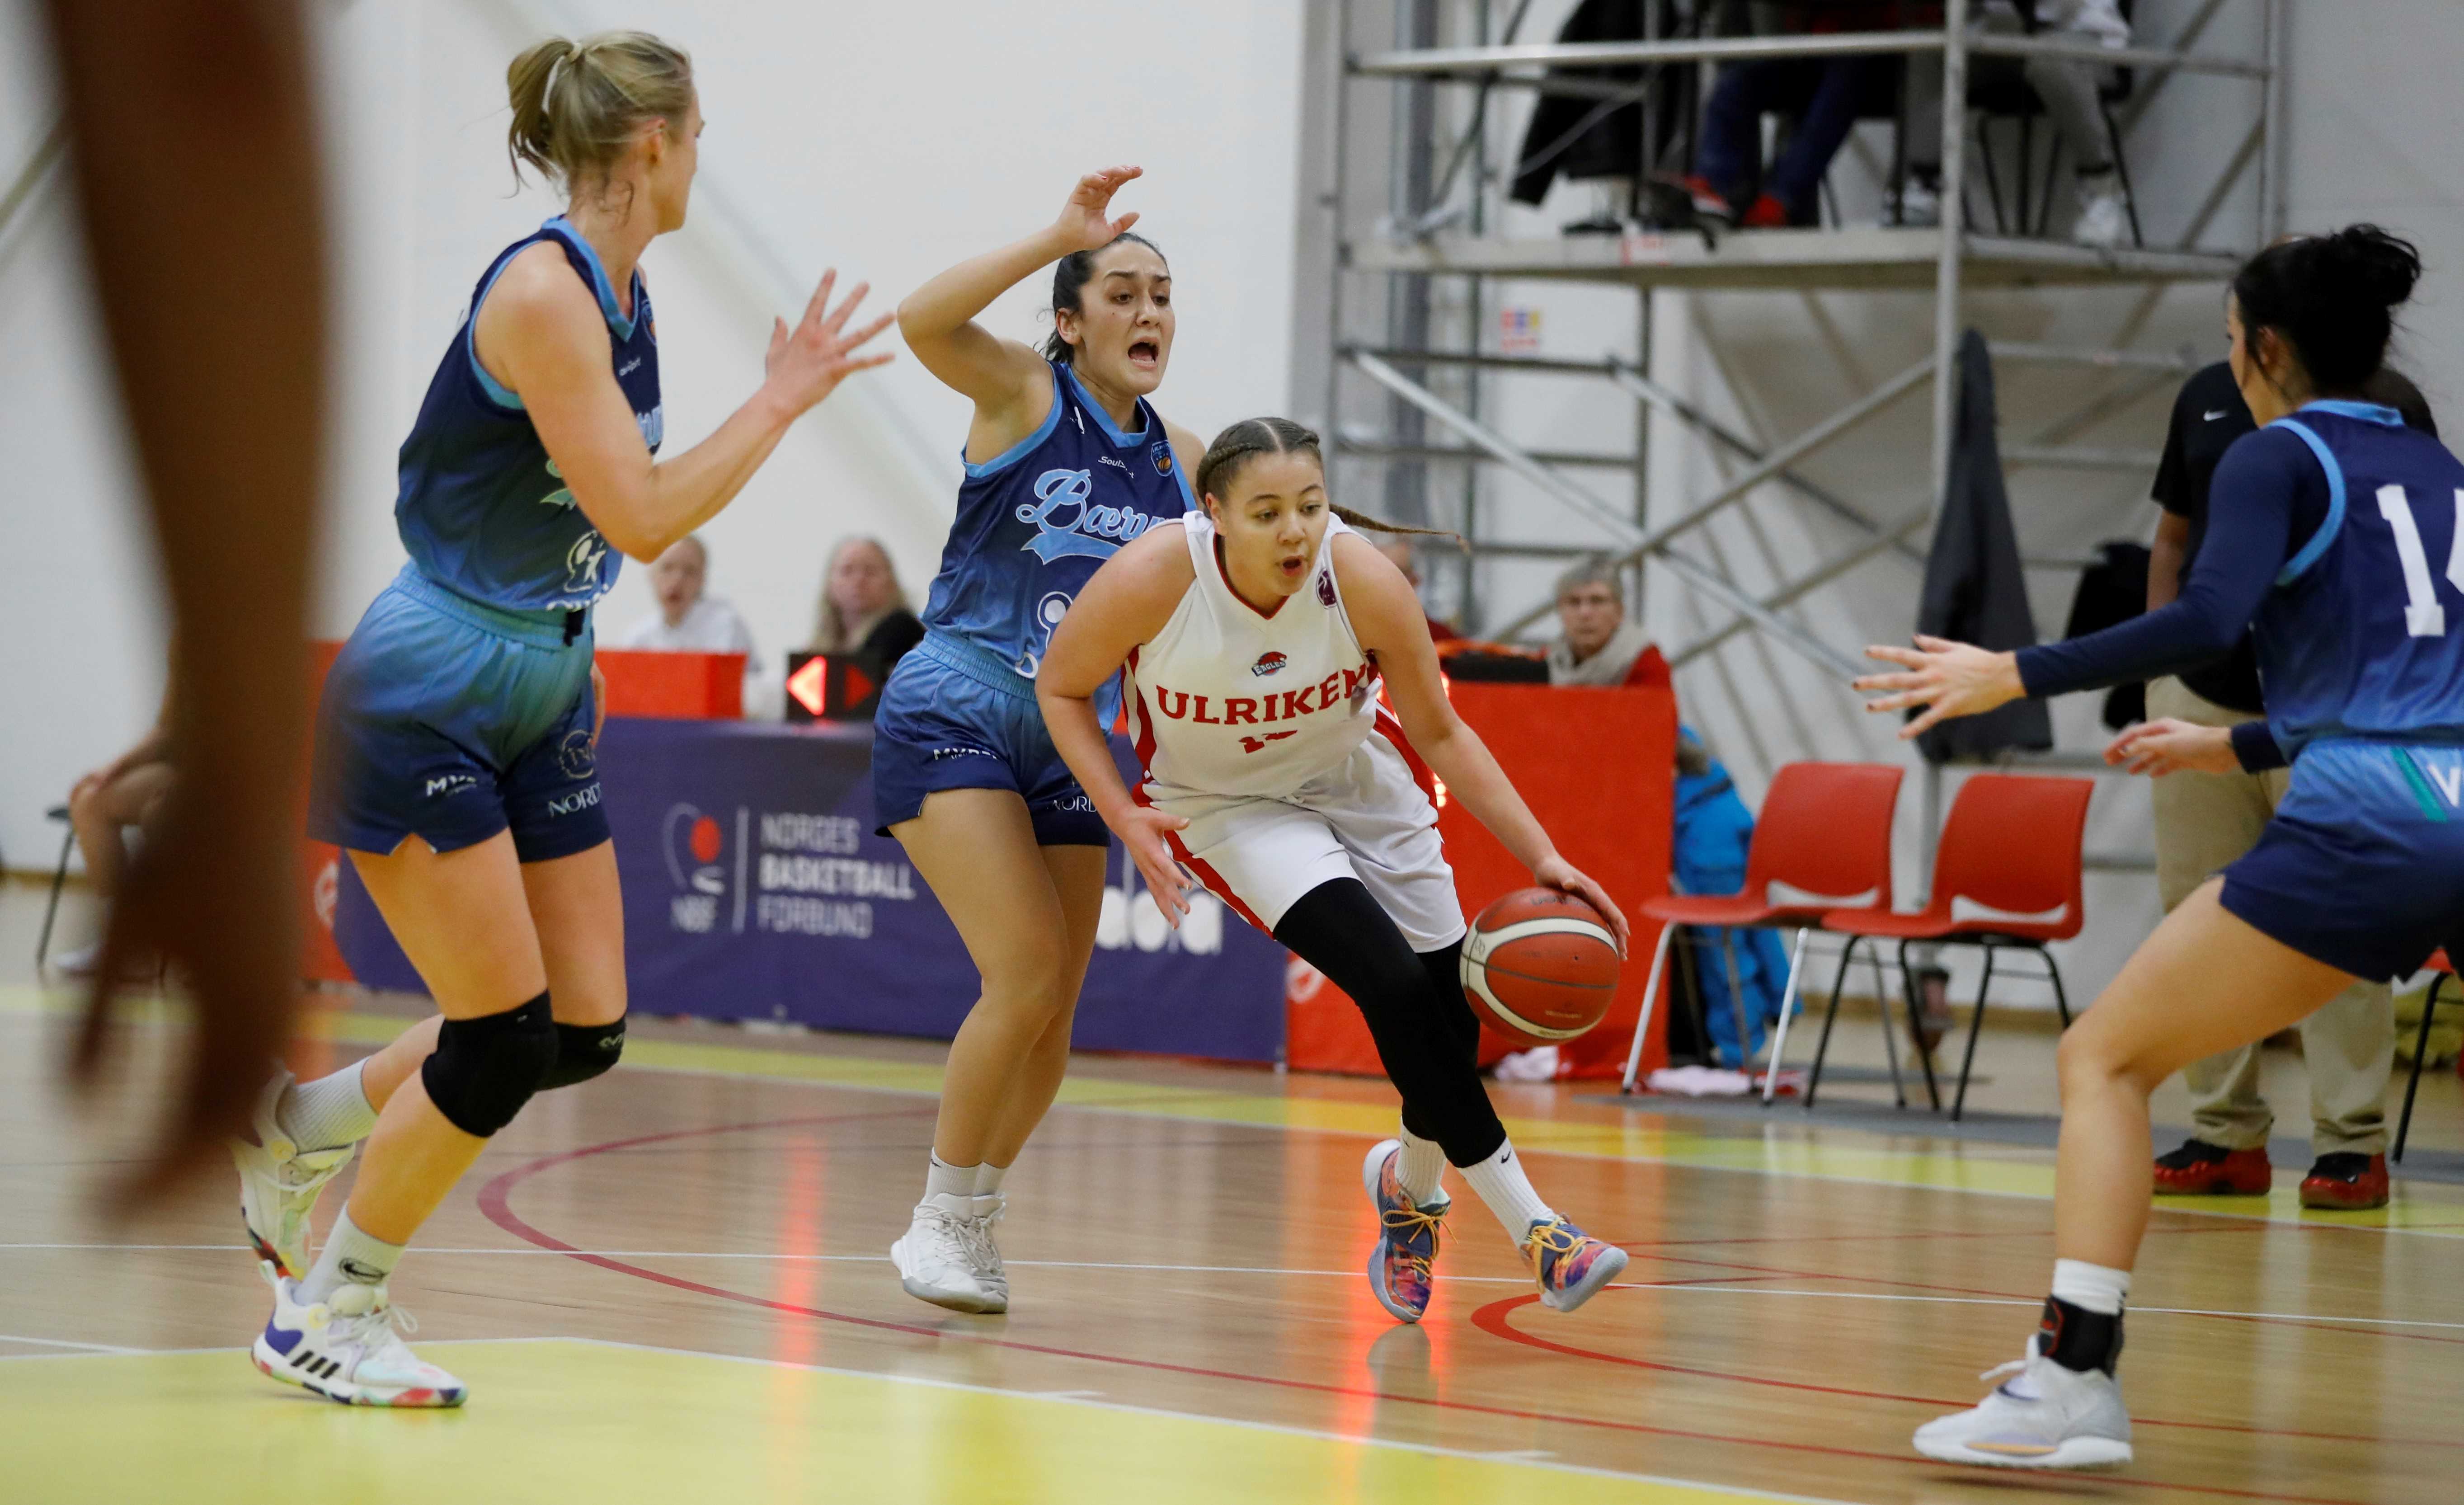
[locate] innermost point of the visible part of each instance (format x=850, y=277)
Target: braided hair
x=1252, y=437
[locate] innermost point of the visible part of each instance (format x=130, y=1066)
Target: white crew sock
x=329, y=1112
x=349, y=1256
x=2091, y=1287
x=945, y=1179
x=1500, y=1181
x=1423, y=1162
x=988, y=1178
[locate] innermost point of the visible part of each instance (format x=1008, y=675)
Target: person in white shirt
x=2069, y=89
x=692, y=622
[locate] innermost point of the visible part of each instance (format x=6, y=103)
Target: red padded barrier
x=1597, y=766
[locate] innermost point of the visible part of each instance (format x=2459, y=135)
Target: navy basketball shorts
x=451, y=721
x=2363, y=867
x=954, y=716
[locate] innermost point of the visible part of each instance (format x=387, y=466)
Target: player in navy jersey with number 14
x=455, y=754
x=2338, y=534
x=1066, y=461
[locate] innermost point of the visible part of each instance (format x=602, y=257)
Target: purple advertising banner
x=754, y=889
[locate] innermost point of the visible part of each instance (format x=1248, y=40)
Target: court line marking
x=1770, y=1157
x=495, y=1203
x=1521, y=1458
x=62, y=1342
x=1524, y=1458
x=1703, y=1285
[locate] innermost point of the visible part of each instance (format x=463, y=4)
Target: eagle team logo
x=1268, y=662
x=1325, y=588
x=1257, y=744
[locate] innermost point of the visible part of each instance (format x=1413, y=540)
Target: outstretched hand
x=1947, y=679
x=808, y=362
x=2166, y=745
x=1143, y=831
x=1083, y=221
x=1557, y=873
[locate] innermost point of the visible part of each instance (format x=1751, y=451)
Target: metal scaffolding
x=1443, y=205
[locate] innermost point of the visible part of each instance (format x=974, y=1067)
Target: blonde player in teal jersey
x=455, y=745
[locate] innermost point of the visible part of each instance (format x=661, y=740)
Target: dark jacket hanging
x=1559, y=140
x=1975, y=590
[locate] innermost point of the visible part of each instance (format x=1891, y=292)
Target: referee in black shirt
x=2205, y=820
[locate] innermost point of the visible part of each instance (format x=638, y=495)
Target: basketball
x=1540, y=967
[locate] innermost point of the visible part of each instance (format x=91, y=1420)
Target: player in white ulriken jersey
x=1255, y=634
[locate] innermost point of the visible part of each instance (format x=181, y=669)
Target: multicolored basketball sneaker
x=346, y=1349
x=1400, y=1274
x=279, y=1183
x=1570, y=1265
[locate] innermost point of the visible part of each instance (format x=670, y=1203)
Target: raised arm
x=1395, y=631
x=1007, y=382
x=1125, y=605
x=542, y=333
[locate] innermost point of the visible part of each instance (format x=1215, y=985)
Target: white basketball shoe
x=2044, y=1416
x=940, y=1260
x=345, y=1348
x=279, y=1183
x=990, y=1273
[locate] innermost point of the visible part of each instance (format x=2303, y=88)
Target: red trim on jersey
x=1216, y=885
x=1145, y=726
x=1205, y=871
x=1390, y=726
x=1216, y=549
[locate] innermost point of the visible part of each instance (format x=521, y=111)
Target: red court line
x=494, y=1202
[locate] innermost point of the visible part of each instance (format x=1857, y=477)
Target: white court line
x=1080, y=1398
x=1697, y=1285
x=62, y=1342
x=2436, y=1230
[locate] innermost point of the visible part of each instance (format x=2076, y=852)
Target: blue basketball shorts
x=954, y=716
x=451, y=721
x=2363, y=867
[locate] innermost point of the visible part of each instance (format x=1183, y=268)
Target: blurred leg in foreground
x=196, y=170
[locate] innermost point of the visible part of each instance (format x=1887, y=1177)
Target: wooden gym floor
x=671, y=1285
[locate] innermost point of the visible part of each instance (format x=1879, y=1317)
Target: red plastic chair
x=1825, y=829
x=2445, y=969
x=2012, y=845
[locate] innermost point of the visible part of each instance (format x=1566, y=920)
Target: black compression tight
x=1426, y=1036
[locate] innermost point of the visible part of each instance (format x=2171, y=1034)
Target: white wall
x=876, y=138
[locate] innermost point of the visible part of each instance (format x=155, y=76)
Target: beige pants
x=2203, y=822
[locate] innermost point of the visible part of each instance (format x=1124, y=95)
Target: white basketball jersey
x=1228, y=699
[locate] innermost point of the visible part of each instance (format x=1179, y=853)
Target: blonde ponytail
x=577, y=105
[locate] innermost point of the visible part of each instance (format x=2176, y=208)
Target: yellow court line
x=572, y=1411
x=1971, y=1169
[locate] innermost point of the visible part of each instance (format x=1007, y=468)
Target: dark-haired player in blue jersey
x=2338, y=534
x=455, y=743
x=1065, y=462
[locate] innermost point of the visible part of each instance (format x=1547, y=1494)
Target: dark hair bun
x=2331, y=297
x=2378, y=266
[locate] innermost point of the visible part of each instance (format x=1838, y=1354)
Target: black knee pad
x=483, y=1070
x=583, y=1052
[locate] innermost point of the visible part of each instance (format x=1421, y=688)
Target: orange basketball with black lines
x=1540, y=967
